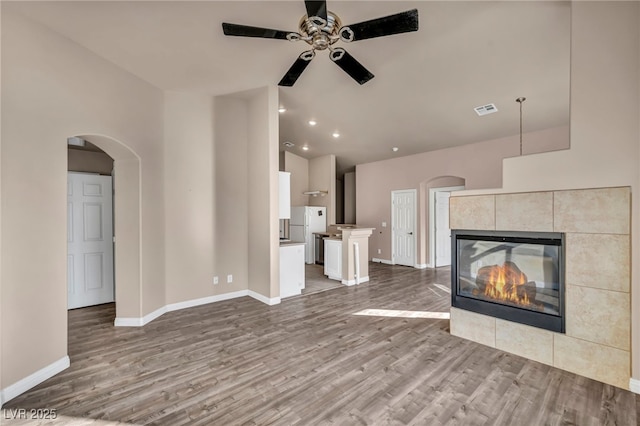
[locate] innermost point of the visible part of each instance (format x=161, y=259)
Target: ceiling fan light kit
x=321, y=29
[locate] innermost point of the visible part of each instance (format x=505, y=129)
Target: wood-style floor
x=316, y=281
x=312, y=361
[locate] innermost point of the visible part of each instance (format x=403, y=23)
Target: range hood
x=315, y=193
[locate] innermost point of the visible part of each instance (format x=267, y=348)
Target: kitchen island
x=346, y=255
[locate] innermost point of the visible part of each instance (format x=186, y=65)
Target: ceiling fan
x=321, y=29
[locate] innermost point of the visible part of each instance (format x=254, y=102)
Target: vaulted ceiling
x=426, y=83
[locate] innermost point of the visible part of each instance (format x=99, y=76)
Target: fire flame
x=504, y=282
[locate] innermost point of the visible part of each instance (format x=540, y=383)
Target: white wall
x=264, y=250
x=299, y=169
x=350, y=197
x=53, y=89
x=231, y=213
x=479, y=165
x=246, y=192
x=189, y=197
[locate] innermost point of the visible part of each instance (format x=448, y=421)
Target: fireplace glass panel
x=518, y=272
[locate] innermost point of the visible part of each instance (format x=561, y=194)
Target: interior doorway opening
x=403, y=227
x=439, y=230
x=90, y=266
x=125, y=171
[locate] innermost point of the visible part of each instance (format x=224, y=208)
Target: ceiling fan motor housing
x=320, y=37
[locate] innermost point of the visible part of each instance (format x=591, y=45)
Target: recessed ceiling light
x=282, y=109
x=305, y=148
x=312, y=122
x=336, y=135
x=395, y=149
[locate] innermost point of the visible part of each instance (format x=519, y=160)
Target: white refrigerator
x=303, y=223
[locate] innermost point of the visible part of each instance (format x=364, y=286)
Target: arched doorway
x=90, y=264
x=428, y=191
x=126, y=221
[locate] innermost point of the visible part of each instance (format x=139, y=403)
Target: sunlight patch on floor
x=402, y=314
x=443, y=288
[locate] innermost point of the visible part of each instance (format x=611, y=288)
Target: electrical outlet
x=384, y=224
x=215, y=280
x=229, y=278
x=379, y=251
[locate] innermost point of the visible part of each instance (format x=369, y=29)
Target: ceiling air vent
x=485, y=109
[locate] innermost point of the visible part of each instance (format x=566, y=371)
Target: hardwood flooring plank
x=311, y=361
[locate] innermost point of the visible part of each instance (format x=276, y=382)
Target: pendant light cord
x=520, y=101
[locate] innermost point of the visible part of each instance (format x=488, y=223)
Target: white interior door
x=442, y=230
x=403, y=232
x=89, y=240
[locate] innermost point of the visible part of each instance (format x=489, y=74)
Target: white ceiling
x=426, y=83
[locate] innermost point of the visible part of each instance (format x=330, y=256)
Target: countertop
x=291, y=243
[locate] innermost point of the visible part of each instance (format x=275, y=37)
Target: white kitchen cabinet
x=291, y=269
x=333, y=258
x=284, y=191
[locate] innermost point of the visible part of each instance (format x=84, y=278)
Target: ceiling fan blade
x=349, y=64
x=403, y=22
x=317, y=8
x=247, y=31
x=297, y=68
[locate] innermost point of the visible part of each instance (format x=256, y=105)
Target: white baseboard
x=139, y=322
x=421, y=266
x=206, y=300
x=264, y=299
x=353, y=282
x=385, y=261
x=33, y=380
x=634, y=385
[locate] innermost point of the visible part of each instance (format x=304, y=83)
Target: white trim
x=33, y=380
x=264, y=299
x=139, y=322
x=634, y=385
x=353, y=282
x=205, y=300
x=385, y=261
x=420, y=266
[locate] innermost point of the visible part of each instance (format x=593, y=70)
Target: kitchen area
x=315, y=254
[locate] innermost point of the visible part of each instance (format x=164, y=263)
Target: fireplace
x=516, y=276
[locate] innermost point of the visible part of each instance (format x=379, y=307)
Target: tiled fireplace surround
x=597, y=342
